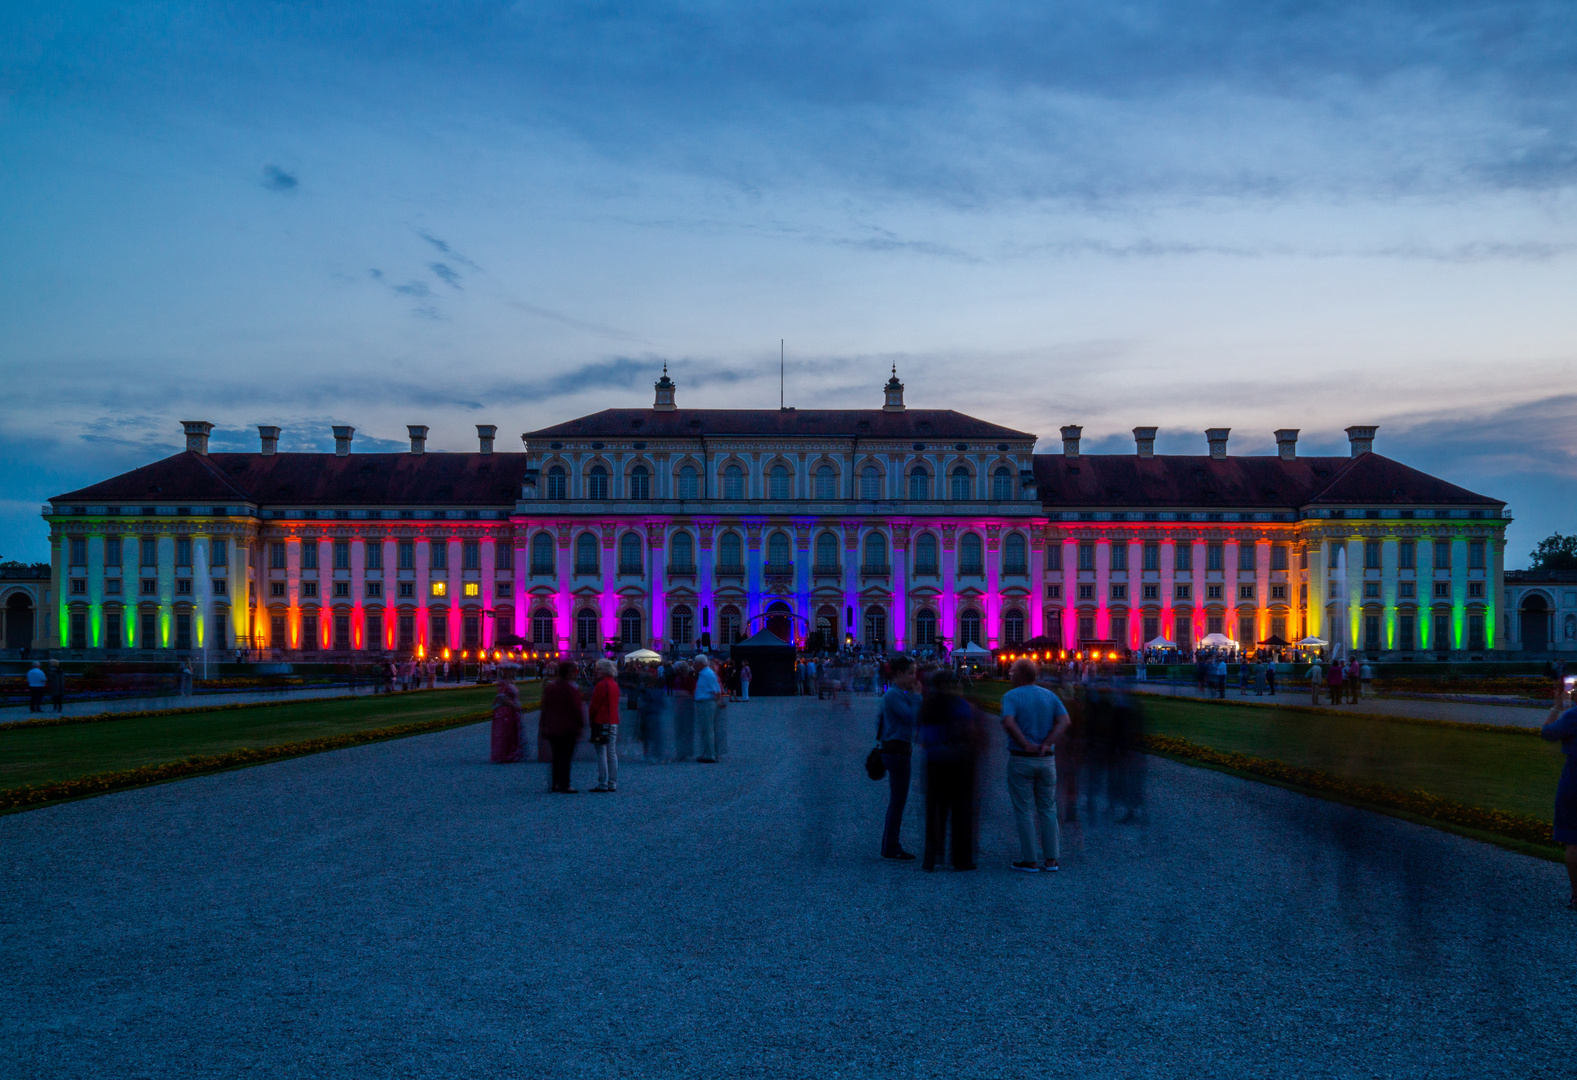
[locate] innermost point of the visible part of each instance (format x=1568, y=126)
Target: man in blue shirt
x=895, y=731
x=707, y=689
x=1034, y=719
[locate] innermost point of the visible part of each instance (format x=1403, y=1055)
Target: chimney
x=1218, y=441
x=268, y=434
x=418, y=437
x=1144, y=441
x=665, y=393
x=894, y=392
x=1362, y=439
x=197, y=435
x=484, y=435
x=1287, y=443
x=1070, y=440
x=342, y=437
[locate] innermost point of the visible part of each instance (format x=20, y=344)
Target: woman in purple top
x=1562, y=725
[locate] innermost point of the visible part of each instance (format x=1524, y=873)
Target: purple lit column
x=993, y=585
x=949, y=620
x=610, y=594
x=562, y=602
x=659, y=597
x=900, y=568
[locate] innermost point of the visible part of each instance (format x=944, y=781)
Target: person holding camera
x=1561, y=725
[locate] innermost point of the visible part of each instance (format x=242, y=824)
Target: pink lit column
x=1103, y=588
x=1070, y=592
x=900, y=567
x=949, y=614
x=609, y=606
x=993, y=586
x=423, y=592
x=518, y=593
x=654, y=558
x=1037, y=582
x=1135, y=591
x=563, y=622
x=489, y=588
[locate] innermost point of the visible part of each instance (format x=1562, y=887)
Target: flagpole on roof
x=781, y=401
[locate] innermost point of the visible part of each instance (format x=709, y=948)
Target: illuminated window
x=473, y=588
x=440, y=588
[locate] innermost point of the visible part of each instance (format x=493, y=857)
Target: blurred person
x=653, y=712
x=506, y=723
x=605, y=725
x=950, y=733
x=1220, y=672
x=895, y=732
x=684, y=712
x=1561, y=725
x=1365, y=679
x=744, y=682
x=185, y=678
x=37, y=683
x=562, y=717
x=1270, y=677
x=1352, y=678
x=1127, y=761
x=1333, y=681
x=708, y=692
x=57, y=685
x=1316, y=680
x=1034, y=719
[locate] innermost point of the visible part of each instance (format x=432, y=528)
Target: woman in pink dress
x=506, y=722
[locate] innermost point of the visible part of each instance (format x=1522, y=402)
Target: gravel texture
x=406, y=909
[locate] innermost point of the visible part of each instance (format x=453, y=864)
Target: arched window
x=587, y=553
x=875, y=627
x=960, y=491
x=920, y=483
x=733, y=482
x=925, y=627
x=778, y=550
x=875, y=551
x=689, y=483
x=587, y=633
x=683, y=552
x=681, y=625
x=630, y=553
x=542, y=552
x=782, y=482
x=597, y=483
x=870, y=483
x=630, y=627
x=542, y=626
x=826, y=483
x=640, y=483
x=1013, y=627
x=969, y=627
x=969, y=557
x=728, y=625
x=1002, y=484
x=925, y=553
x=730, y=551
x=826, y=552
x=1569, y=628
x=1015, y=559
x=558, y=486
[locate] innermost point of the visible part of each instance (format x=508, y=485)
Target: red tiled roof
x=923, y=424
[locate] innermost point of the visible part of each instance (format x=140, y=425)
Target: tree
x=1556, y=552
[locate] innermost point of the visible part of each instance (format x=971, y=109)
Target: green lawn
x=42, y=755
x=1511, y=771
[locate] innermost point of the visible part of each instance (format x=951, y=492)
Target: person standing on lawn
x=1034, y=719
x=57, y=685
x=1561, y=725
x=605, y=725
x=895, y=732
x=37, y=682
x=1333, y=681
x=1316, y=678
x=563, y=715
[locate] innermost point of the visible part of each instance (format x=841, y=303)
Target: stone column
x=489, y=564
x=900, y=566
x=655, y=533
x=609, y=599
x=292, y=593
x=993, y=605
x=564, y=602
x=948, y=621
x=854, y=615
x=1103, y=587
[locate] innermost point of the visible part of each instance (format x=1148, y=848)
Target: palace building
x=670, y=528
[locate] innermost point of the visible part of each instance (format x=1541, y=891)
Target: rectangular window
x=341, y=589
x=1475, y=590
x=1371, y=590
x=218, y=552
x=1371, y=633
x=374, y=638
x=407, y=632
x=471, y=628
x=1475, y=632
x=1152, y=592
x=1278, y=592
x=150, y=551
x=148, y=587
x=374, y=555
x=1214, y=623
x=1405, y=634
x=1119, y=592
x=1406, y=555
x=1213, y=556
x=438, y=555
x=471, y=554
x=1278, y=556
x=1086, y=556
x=149, y=638
x=1245, y=592
x=438, y=633
x=221, y=586
x=79, y=586
x=1332, y=553
x=1120, y=628
x=1053, y=592
x=276, y=556
x=1371, y=555
x=183, y=586
x=1442, y=555
x=1248, y=556
x=1054, y=556
x=1152, y=628
x=407, y=590
x=1152, y=561
x=1441, y=634
x=1442, y=590
x=1246, y=633
x=112, y=551
x=1183, y=558
x=112, y=638
x=112, y=586
x=1086, y=592
x=277, y=638
x=309, y=632
x=342, y=554
x=1406, y=589
x=78, y=551
x=341, y=633
x=221, y=627
x=504, y=555
x=1475, y=555
x=1184, y=592
x=309, y=555
x=183, y=551
x=1086, y=627
x=183, y=630
x=472, y=588
x=373, y=590
x=79, y=630
x=1119, y=556
x=309, y=588
x=276, y=588
x=407, y=550
x=440, y=588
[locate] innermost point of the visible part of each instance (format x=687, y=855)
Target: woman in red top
x=605, y=725
x=561, y=720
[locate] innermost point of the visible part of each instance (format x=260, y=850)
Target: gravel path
x=406, y=910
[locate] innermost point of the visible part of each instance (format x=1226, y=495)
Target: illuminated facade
x=667, y=527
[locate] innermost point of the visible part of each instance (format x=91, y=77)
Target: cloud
x=445, y=273
x=443, y=246
x=575, y=324
x=277, y=179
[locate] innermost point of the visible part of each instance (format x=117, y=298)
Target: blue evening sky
x=1185, y=213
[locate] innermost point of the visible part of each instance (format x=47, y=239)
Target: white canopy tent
x=1313, y=643
x=971, y=649
x=1217, y=641
x=643, y=656
x=1160, y=643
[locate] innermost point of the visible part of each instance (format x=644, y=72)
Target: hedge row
x=1499, y=822
x=95, y=718
x=100, y=783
